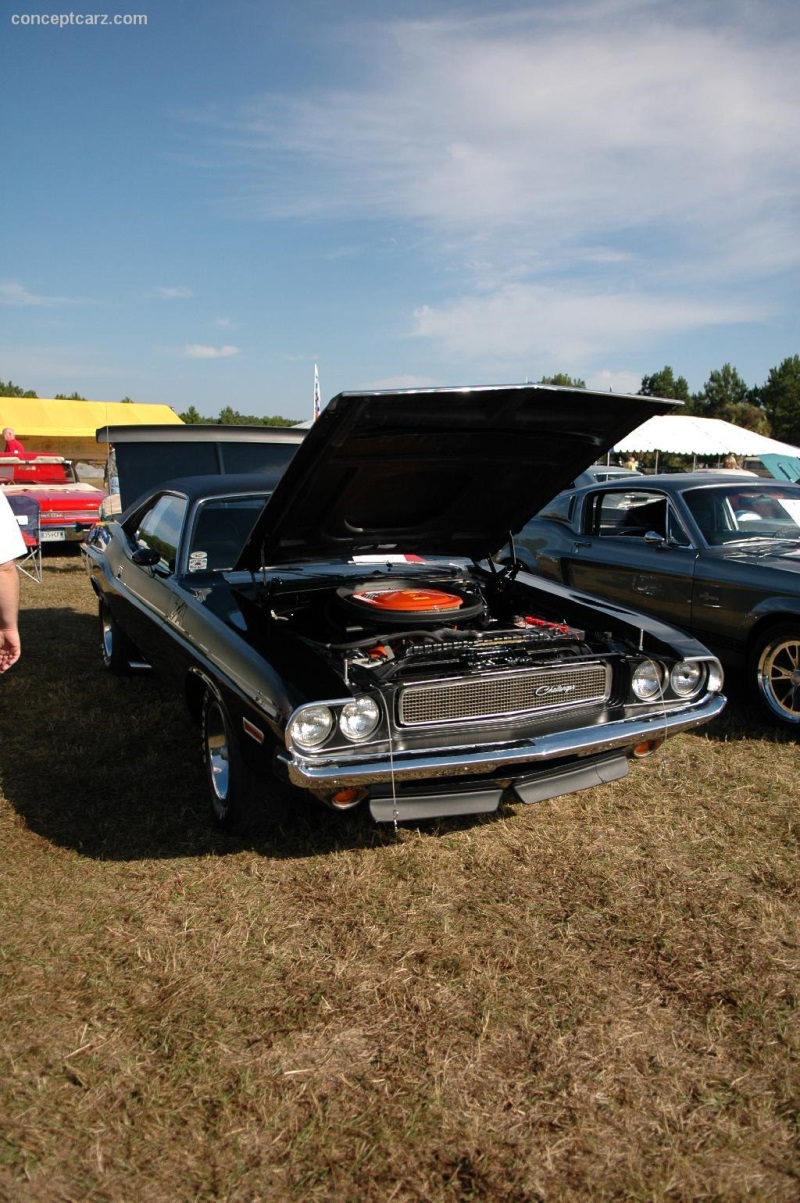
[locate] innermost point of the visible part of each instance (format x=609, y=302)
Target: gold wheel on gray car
x=776, y=662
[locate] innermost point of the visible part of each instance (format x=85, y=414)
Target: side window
x=629, y=513
x=159, y=528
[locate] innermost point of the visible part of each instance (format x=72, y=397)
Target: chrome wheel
x=218, y=757
x=107, y=634
x=231, y=792
x=114, y=647
x=777, y=674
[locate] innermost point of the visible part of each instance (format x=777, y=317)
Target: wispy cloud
x=16, y=295
x=174, y=294
x=534, y=321
x=574, y=166
x=203, y=351
x=553, y=121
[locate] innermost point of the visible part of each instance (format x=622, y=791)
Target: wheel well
x=195, y=691
x=767, y=623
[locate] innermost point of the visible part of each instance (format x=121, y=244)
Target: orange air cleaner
x=408, y=601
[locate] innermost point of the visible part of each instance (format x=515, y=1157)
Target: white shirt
x=12, y=543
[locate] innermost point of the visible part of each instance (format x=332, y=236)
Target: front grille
x=503, y=694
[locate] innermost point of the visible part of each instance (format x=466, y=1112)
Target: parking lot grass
x=590, y=998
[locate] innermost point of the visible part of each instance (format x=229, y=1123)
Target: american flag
x=316, y=393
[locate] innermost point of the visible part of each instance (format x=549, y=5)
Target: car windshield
x=741, y=512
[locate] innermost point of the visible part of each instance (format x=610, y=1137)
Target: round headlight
x=646, y=681
x=311, y=726
x=686, y=677
x=359, y=718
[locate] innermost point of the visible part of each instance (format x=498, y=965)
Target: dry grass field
x=594, y=998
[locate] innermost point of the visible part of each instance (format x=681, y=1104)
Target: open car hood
x=435, y=471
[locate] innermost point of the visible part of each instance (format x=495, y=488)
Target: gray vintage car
x=341, y=629
x=717, y=553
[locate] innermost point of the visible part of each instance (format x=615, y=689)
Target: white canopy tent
x=706, y=437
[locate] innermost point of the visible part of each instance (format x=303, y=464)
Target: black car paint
x=266, y=637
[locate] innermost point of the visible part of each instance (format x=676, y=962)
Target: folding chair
x=26, y=510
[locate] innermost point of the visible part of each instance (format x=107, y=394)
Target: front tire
x=230, y=788
x=774, y=675
x=116, y=650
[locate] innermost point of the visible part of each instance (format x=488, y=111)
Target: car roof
x=684, y=479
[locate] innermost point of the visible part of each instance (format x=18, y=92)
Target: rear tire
x=774, y=675
x=115, y=648
x=231, y=790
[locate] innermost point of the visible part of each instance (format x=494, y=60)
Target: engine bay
x=376, y=626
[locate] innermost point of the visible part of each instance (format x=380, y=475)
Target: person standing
x=12, y=545
x=13, y=445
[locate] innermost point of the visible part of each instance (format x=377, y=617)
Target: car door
x=148, y=594
x=632, y=548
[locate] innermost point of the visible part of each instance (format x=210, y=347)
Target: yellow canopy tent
x=68, y=427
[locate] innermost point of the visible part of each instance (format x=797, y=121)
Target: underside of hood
x=437, y=471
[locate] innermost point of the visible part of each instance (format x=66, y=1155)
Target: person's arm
x=9, y=610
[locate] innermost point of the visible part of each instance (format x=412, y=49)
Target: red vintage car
x=68, y=507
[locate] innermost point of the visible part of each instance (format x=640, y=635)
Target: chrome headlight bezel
x=334, y=724
x=715, y=678
x=678, y=681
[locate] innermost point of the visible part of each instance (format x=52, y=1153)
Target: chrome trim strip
x=416, y=766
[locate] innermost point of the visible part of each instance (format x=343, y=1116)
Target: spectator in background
x=12, y=545
x=110, y=473
x=13, y=445
x=730, y=461
x=631, y=462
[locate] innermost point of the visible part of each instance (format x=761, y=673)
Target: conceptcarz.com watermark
x=60, y=20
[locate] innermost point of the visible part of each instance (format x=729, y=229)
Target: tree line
x=771, y=408
x=231, y=417
x=9, y=389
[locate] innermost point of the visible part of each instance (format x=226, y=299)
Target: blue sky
x=198, y=209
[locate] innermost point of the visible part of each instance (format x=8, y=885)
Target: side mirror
x=146, y=557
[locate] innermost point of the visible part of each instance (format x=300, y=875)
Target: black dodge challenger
x=340, y=628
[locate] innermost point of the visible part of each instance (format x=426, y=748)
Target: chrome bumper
x=493, y=760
